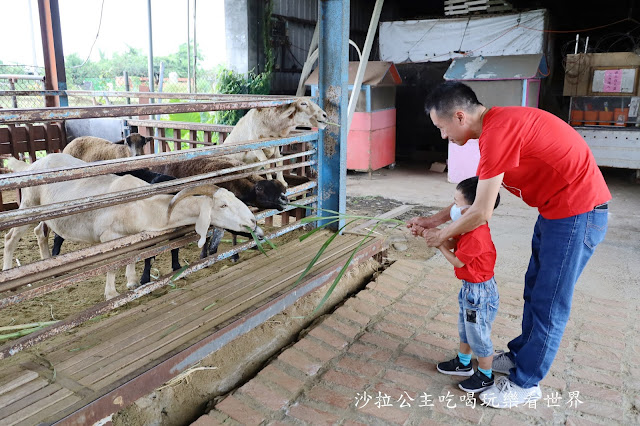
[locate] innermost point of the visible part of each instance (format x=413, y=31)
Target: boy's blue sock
x=465, y=359
x=485, y=372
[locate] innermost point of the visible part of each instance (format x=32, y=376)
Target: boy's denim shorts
x=478, y=308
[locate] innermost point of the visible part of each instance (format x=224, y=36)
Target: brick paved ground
x=387, y=339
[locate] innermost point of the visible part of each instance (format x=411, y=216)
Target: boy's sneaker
x=502, y=363
x=454, y=367
x=506, y=394
x=476, y=383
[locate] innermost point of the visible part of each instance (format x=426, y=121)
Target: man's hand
x=419, y=223
x=432, y=237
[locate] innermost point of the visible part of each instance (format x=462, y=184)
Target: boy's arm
x=451, y=257
x=450, y=244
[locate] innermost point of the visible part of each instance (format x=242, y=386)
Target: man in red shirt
x=541, y=159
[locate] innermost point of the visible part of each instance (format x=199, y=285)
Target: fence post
x=333, y=83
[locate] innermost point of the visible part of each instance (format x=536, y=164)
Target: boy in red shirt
x=473, y=258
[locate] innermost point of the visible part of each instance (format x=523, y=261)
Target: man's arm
x=433, y=221
x=479, y=213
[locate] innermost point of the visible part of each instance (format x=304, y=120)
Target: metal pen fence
x=21, y=82
x=56, y=273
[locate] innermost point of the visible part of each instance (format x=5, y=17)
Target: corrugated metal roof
x=299, y=30
x=513, y=67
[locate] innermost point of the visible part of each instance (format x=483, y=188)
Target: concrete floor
x=614, y=270
x=388, y=337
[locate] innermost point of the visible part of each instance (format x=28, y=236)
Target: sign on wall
x=614, y=80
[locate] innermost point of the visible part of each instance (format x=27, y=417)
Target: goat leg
x=214, y=242
x=57, y=244
x=130, y=273
x=146, y=272
x=110, y=288
x=41, y=237
x=175, y=261
x=234, y=238
x=11, y=240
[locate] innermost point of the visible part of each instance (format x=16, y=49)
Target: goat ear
x=289, y=111
x=203, y=222
x=148, y=139
x=120, y=142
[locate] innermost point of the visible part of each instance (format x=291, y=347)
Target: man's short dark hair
x=468, y=188
x=449, y=96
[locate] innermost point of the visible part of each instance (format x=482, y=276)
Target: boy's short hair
x=449, y=96
x=468, y=188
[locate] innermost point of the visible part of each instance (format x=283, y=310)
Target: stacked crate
x=465, y=7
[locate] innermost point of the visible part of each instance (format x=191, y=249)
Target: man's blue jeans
x=560, y=249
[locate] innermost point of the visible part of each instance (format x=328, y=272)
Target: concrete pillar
x=241, y=31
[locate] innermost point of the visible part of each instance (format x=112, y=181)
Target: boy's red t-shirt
x=544, y=160
x=476, y=250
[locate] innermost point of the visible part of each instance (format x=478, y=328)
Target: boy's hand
x=416, y=230
x=419, y=223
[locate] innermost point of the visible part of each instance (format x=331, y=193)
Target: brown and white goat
x=274, y=122
x=91, y=148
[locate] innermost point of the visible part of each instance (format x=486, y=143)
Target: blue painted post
x=333, y=83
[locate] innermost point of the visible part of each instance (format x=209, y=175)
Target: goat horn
x=207, y=189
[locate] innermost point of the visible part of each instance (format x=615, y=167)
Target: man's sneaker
x=506, y=394
x=502, y=363
x=476, y=383
x=454, y=367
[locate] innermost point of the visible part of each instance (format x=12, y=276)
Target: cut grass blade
x=317, y=256
x=333, y=218
x=316, y=229
x=343, y=270
x=259, y=242
x=19, y=333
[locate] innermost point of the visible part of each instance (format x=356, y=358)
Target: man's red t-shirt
x=476, y=250
x=544, y=160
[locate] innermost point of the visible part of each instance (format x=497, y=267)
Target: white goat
x=220, y=208
x=91, y=148
x=274, y=122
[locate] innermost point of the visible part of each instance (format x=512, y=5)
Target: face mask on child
x=456, y=212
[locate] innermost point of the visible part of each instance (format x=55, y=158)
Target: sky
x=124, y=23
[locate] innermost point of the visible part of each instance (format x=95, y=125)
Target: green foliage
x=266, y=38
x=231, y=82
x=134, y=61
x=190, y=117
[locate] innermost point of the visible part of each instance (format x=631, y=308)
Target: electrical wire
x=582, y=30
x=94, y=41
x=293, y=56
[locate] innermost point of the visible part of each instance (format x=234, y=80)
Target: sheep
x=253, y=190
x=90, y=148
x=150, y=177
x=219, y=208
x=278, y=122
